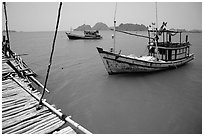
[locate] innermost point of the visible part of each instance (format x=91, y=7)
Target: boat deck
x=19, y=102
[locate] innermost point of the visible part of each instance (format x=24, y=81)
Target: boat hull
x=76, y=37
x=115, y=63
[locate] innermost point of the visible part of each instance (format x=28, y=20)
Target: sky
x=42, y=16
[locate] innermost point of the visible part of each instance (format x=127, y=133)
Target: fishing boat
x=162, y=54
x=168, y=55
x=87, y=35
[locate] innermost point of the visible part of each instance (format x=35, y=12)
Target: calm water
x=163, y=102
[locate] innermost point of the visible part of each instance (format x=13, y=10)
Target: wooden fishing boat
x=161, y=55
x=88, y=35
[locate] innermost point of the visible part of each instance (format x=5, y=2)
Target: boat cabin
x=92, y=33
x=167, y=50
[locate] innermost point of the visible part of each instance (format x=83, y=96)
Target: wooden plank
x=7, y=81
x=71, y=131
x=16, y=105
x=24, y=112
x=27, y=128
x=50, y=128
x=15, y=102
x=40, y=125
x=24, y=124
x=16, y=90
x=5, y=88
x=9, y=85
x=15, y=111
x=43, y=125
x=23, y=117
x=63, y=131
x=12, y=98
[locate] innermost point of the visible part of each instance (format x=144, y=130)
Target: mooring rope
x=51, y=55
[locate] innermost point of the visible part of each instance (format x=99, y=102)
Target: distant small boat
x=88, y=35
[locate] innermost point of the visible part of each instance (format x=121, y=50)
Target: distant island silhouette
x=97, y=26
x=132, y=27
x=126, y=27
x=103, y=26
x=10, y=31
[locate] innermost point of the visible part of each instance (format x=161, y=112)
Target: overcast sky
x=41, y=16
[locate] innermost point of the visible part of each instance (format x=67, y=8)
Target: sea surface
x=143, y=103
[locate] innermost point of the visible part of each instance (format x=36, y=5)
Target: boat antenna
x=50, y=61
x=7, y=33
x=156, y=36
x=156, y=17
x=114, y=27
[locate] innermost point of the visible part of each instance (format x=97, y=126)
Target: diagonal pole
x=51, y=55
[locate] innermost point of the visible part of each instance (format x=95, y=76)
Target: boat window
x=173, y=52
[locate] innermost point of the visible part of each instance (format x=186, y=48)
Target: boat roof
x=90, y=30
x=169, y=31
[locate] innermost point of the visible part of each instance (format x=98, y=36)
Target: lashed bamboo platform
x=19, y=102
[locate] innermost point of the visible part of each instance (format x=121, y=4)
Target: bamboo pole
x=134, y=34
x=4, y=3
x=51, y=55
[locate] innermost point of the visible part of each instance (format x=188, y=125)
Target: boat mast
x=156, y=36
x=114, y=27
x=156, y=17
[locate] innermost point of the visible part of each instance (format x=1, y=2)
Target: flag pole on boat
x=50, y=61
x=114, y=27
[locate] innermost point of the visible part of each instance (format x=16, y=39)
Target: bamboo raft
x=19, y=102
